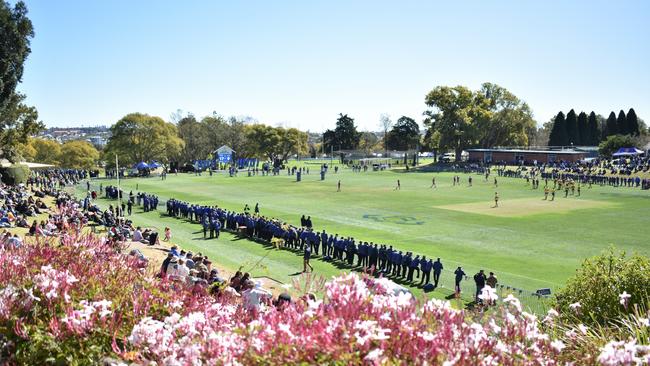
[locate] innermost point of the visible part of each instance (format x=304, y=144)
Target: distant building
x=516, y=156
x=98, y=141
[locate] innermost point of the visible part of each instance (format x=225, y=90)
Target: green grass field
x=529, y=243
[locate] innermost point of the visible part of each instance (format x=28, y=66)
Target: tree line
x=590, y=130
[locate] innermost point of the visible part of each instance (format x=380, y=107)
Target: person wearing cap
x=256, y=296
x=174, y=250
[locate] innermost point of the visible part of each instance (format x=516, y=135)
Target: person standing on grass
x=459, y=274
x=496, y=199
x=437, y=269
x=398, y=187
x=496, y=184
x=257, y=208
x=433, y=182
x=479, y=279
x=425, y=266
x=338, y=186
x=492, y=281
x=168, y=234
x=470, y=181
x=306, y=257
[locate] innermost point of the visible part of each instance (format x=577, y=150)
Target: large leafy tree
x=583, y=129
x=78, y=155
x=17, y=120
x=275, y=143
x=405, y=135
x=632, y=123
x=558, y=136
x=621, y=123
x=46, y=151
x=141, y=137
x=594, y=130
x=369, y=142
x=611, y=127
x=571, y=124
x=344, y=137
x=455, y=114
x=195, y=136
x=612, y=143
x=510, y=121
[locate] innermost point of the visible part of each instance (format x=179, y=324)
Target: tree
x=558, y=136
x=16, y=32
x=510, y=121
x=572, y=128
x=541, y=135
x=194, y=135
x=405, y=135
x=344, y=137
x=455, y=113
x=275, y=143
x=621, y=124
x=17, y=120
x=78, y=154
x=594, y=130
x=385, y=124
x=612, y=143
x=292, y=142
x=140, y=137
x=632, y=123
x=47, y=151
x=583, y=129
x=610, y=126
x=263, y=140
x=369, y=142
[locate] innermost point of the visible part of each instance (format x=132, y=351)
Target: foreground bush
x=605, y=287
x=76, y=300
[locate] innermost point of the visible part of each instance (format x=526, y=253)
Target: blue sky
x=300, y=63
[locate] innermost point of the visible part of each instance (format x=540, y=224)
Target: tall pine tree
x=610, y=126
x=594, y=130
x=632, y=123
x=583, y=129
x=621, y=123
x=558, y=135
x=572, y=128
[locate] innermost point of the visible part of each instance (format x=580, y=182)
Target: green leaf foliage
x=598, y=283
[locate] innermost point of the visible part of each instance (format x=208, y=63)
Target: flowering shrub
x=72, y=299
x=75, y=300
x=605, y=287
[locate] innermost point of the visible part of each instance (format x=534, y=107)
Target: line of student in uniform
x=369, y=256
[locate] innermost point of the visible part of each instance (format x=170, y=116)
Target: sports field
x=530, y=243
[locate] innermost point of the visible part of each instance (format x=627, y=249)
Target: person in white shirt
x=137, y=235
x=255, y=297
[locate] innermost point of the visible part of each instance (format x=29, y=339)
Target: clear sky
x=300, y=63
